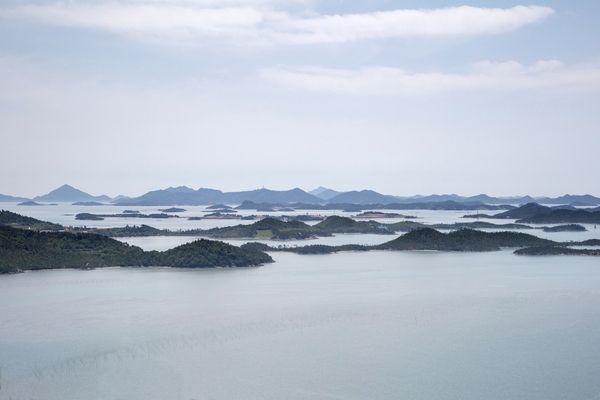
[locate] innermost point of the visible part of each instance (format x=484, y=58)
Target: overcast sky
x=402, y=97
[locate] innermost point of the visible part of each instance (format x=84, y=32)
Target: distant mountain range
x=182, y=195
x=65, y=193
x=189, y=197
x=8, y=199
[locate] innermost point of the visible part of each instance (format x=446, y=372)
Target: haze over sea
x=409, y=325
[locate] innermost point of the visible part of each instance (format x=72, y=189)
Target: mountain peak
x=67, y=193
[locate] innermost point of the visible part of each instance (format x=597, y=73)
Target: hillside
x=20, y=221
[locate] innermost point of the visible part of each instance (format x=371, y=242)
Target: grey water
x=385, y=325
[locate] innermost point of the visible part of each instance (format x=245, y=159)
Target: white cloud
x=453, y=21
x=255, y=21
x=482, y=76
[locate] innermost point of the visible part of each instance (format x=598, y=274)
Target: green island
x=556, y=251
x=100, y=217
x=378, y=214
x=294, y=229
x=28, y=249
x=29, y=244
x=428, y=239
x=534, y=213
x=565, y=228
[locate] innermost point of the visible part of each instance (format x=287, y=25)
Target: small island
x=565, y=228
x=87, y=203
x=556, y=251
x=33, y=203
x=100, y=217
x=378, y=215
x=534, y=213
x=172, y=210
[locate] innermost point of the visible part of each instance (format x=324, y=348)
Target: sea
x=365, y=325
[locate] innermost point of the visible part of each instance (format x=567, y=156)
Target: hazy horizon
x=400, y=97
x=307, y=191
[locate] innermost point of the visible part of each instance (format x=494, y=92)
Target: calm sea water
x=379, y=325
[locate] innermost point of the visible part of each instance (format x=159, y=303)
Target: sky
x=402, y=97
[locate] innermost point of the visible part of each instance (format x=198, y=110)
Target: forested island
x=29, y=244
x=131, y=214
x=462, y=240
x=276, y=229
x=556, y=251
x=22, y=250
x=534, y=213
x=565, y=228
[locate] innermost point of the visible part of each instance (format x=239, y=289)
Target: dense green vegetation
x=294, y=229
x=130, y=231
x=556, y=251
x=21, y=221
x=22, y=249
x=534, y=213
x=564, y=216
x=336, y=224
x=406, y=226
x=566, y=228
x=428, y=239
x=462, y=240
x=279, y=230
